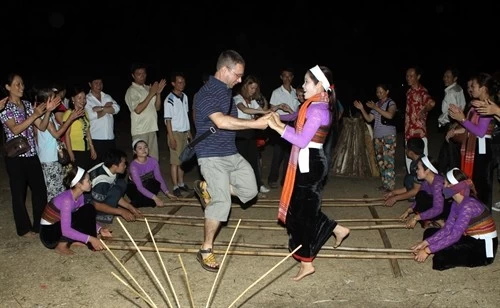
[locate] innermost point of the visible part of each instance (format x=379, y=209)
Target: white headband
x=428, y=164
x=136, y=141
x=78, y=176
x=318, y=73
x=451, y=178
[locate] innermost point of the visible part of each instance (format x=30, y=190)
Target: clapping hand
x=3, y=102
x=487, y=107
x=370, y=104
x=53, y=102
x=456, y=113
x=161, y=86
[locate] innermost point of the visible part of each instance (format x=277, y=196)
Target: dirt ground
x=33, y=276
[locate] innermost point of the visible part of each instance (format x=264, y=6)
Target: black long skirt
x=306, y=224
x=82, y=220
x=467, y=252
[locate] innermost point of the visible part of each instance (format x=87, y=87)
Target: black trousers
x=137, y=198
x=248, y=149
x=26, y=172
x=82, y=220
x=101, y=147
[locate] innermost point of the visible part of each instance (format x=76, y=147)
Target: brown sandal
x=209, y=263
x=200, y=187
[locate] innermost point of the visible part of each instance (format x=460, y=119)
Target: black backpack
x=398, y=120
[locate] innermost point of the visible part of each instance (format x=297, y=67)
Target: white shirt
x=238, y=99
x=176, y=110
x=453, y=94
x=282, y=96
x=101, y=128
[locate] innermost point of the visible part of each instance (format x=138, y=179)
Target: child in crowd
x=414, y=150
x=429, y=207
x=145, y=179
x=469, y=236
x=67, y=219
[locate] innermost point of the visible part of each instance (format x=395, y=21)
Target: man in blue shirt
x=225, y=171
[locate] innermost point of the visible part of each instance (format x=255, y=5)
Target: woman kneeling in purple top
x=68, y=220
x=469, y=236
x=429, y=207
x=145, y=180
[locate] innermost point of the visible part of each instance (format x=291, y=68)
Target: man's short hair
x=113, y=157
x=416, y=145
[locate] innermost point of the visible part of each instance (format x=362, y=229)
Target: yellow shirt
x=78, y=131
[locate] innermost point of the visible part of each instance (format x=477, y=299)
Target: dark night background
x=363, y=42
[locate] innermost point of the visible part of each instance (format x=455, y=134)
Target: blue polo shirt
x=214, y=96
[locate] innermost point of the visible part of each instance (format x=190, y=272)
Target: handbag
x=17, y=146
x=62, y=153
x=397, y=119
x=188, y=153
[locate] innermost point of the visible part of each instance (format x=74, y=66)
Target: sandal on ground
x=200, y=187
x=209, y=263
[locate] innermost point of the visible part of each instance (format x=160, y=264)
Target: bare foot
x=77, y=244
x=62, y=249
x=341, y=233
x=306, y=269
x=105, y=232
x=29, y=234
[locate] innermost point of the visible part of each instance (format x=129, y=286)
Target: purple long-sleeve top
x=138, y=169
x=456, y=224
x=481, y=128
x=67, y=205
x=436, y=191
x=317, y=115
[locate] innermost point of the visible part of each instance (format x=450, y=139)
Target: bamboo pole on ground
x=271, y=206
x=265, y=246
x=323, y=200
x=146, y=262
x=271, y=220
x=264, y=253
x=253, y=227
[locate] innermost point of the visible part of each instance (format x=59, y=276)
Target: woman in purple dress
x=469, y=236
x=300, y=203
x=145, y=179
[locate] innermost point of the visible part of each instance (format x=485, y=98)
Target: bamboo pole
x=323, y=200
x=272, y=220
x=221, y=264
x=133, y=290
x=163, y=264
x=187, y=281
x=266, y=253
x=275, y=205
x=129, y=274
x=146, y=262
x=265, y=274
x=265, y=246
x=251, y=227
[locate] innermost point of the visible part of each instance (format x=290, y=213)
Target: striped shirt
x=214, y=96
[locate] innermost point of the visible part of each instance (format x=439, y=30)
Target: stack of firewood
x=354, y=154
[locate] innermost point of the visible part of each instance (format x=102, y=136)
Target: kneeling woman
x=145, y=181
x=67, y=219
x=469, y=236
x=430, y=207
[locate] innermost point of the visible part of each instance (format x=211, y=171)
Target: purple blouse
x=456, y=224
x=317, y=115
x=138, y=169
x=67, y=206
x=481, y=128
x=436, y=191
x=12, y=112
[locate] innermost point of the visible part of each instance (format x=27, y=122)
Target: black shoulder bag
x=188, y=153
